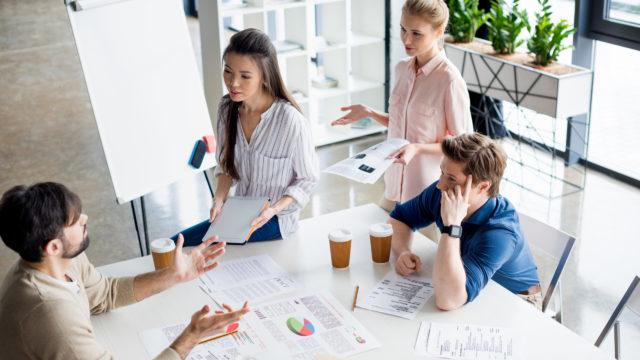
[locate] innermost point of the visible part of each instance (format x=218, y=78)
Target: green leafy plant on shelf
x=465, y=19
x=504, y=26
x=546, y=41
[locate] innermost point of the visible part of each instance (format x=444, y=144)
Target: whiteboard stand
x=146, y=94
x=145, y=229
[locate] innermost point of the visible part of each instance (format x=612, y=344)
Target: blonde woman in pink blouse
x=429, y=102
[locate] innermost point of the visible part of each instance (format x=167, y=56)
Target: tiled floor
x=47, y=132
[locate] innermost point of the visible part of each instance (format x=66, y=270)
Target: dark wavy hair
x=257, y=45
x=31, y=216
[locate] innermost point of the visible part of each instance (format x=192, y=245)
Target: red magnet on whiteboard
x=210, y=140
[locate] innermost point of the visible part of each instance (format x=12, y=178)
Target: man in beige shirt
x=47, y=297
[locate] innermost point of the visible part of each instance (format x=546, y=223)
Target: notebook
x=233, y=224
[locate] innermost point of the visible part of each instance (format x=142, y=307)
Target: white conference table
x=306, y=257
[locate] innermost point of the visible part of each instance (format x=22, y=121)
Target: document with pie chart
x=311, y=325
x=299, y=327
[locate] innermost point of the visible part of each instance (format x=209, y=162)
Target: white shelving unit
x=353, y=53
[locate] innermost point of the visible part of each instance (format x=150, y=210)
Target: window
x=616, y=22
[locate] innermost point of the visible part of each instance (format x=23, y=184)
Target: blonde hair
x=435, y=12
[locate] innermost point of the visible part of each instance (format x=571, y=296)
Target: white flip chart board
x=145, y=90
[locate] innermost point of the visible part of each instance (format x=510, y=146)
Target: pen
x=215, y=337
x=355, y=298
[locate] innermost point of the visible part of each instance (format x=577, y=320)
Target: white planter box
x=558, y=96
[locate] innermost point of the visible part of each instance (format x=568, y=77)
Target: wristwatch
x=453, y=231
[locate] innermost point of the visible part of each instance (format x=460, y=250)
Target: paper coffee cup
x=340, y=246
x=380, y=237
x=162, y=251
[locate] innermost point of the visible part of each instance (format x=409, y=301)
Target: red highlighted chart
x=300, y=326
x=233, y=327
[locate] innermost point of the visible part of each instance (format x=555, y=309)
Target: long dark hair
x=257, y=45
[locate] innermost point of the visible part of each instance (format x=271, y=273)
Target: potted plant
x=504, y=27
x=465, y=19
x=555, y=89
x=546, y=40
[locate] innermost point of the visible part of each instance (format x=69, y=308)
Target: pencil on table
x=216, y=337
x=355, y=298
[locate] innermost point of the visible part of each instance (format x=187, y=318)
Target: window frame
x=613, y=31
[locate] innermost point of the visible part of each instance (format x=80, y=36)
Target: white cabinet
x=351, y=50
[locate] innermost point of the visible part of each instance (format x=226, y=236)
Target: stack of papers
x=300, y=327
x=398, y=295
x=459, y=341
x=254, y=279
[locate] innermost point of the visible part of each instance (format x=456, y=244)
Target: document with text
x=300, y=327
x=369, y=165
x=398, y=295
x=461, y=341
x=255, y=278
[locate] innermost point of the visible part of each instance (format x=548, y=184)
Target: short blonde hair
x=435, y=12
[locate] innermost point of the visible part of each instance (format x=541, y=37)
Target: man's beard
x=70, y=253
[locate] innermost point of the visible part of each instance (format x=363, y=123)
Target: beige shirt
x=43, y=318
x=424, y=107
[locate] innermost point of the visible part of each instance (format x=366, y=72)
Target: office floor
x=47, y=133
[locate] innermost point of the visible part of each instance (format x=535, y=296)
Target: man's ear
x=53, y=248
x=484, y=186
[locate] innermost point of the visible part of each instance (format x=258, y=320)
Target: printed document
x=460, y=341
x=398, y=295
x=254, y=279
x=369, y=165
x=299, y=327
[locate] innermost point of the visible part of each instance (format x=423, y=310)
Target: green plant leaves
x=505, y=28
x=505, y=25
x=465, y=19
x=546, y=41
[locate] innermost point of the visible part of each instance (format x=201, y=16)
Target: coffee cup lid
x=162, y=245
x=340, y=235
x=380, y=230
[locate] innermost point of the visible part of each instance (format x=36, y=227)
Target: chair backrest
x=555, y=243
x=630, y=299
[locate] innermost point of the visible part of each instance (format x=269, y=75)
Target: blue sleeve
x=419, y=211
x=494, y=249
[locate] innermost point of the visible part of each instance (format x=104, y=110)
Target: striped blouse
x=280, y=160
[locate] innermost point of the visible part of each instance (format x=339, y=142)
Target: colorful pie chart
x=301, y=327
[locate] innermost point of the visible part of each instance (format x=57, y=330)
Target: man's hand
x=408, y=263
x=189, y=265
x=356, y=112
x=216, y=209
x=455, y=204
x=405, y=154
x=203, y=325
x=263, y=218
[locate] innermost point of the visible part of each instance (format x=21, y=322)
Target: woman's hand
x=216, y=209
x=356, y=112
x=264, y=217
x=405, y=154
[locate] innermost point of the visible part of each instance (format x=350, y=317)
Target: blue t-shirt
x=491, y=246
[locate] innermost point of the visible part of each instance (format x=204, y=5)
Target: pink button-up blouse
x=425, y=106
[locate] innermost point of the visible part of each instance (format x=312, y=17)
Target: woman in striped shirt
x=265, y=146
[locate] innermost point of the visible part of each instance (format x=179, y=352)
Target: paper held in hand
x=367, y=166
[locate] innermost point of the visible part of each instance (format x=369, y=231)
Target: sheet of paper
x=398, y=295
x=246, y=343
x=460, y=341
x=255, y=278
x=368, y=165
x=300, y=328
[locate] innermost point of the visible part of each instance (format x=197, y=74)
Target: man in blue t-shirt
x=481, y=237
